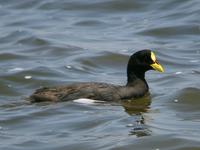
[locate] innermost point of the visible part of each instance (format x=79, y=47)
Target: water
x=49, y=42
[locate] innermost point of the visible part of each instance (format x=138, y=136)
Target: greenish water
x=49, y=42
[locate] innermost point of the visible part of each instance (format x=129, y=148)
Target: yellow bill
x=156, y=66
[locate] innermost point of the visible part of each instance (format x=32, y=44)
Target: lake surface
x=49, y=42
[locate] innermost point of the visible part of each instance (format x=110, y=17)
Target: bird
x=136, y=86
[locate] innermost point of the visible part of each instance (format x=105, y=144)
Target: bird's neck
x=134, y=76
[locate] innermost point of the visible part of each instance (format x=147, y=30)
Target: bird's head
x=142, y=61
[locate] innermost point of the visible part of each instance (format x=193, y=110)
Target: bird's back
x=97, y=91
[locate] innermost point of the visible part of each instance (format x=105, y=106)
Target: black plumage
x=136, y=86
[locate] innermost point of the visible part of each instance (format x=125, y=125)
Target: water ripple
x=49, y=42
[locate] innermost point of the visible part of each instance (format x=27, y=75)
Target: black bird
x=136, y=86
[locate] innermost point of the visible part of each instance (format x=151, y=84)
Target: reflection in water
x=136, y=108
x=140, y=129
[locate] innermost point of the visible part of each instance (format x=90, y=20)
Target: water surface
x=49, y=42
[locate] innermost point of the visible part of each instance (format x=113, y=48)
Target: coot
x=136, y=86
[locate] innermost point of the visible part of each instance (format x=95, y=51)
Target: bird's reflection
x=138, y=108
